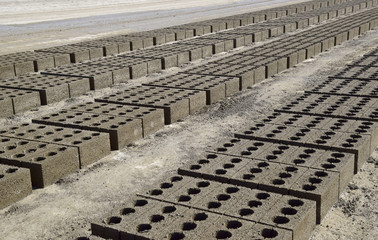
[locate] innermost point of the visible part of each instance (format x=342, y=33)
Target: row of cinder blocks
x=123, y=125
x=103, y=123
x=105, y=72
x=16, y=64
x=47, y=89
x=189, y=208
x=13, y=101
x=295, y=52
x=57, y=56
x=346, y=87
x=361, y=144
x=26, y=62
x=320, y=185
x=361, y=110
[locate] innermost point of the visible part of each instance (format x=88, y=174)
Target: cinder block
x=15, y=184
x=319, y=186
x=43, y=63
x=61, y=59
x=152, y=118
x=50, y=88
x=244, y=73
x=358, y=144
x=177, y=103
x=296, y=215
x=21, y=100
x=7, y=71
x=23, y=67
x=6, y=107
x=168, y=221
x=82, y=140
x=216, y=88
x=271, y=68
x=134, y=220
x=98, y=76
x=46, y=162
x=122, y=130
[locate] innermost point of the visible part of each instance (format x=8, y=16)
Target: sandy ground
x=66, y=209
x=33, y=24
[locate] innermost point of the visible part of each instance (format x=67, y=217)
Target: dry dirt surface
x=66, y=209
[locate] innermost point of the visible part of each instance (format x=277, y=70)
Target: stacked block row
x=277, y=178
x=55, y=84
x=33, y=61
x=60, y=143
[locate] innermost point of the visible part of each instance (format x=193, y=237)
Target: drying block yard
x=257, y=123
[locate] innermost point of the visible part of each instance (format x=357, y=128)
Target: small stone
x=352, y=186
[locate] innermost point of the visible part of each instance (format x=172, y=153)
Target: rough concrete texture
x=152, y=118
x=177, y=103
x=51, y=88
x=83, y=140
x=122, y=130
x=15, y=184
x=271, y=69
x=21, y=100
x=296, y=215
x=216, y=88
x=46, y=162
x=99, y=76
x=161, y=220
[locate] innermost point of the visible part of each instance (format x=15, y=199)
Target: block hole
x=184, y=198
x=194, y=191
x=176, y=179
x=234, y=224
x=168, y=209
x=200, y=217
x=188, y=226
x=281, y=220
x=156, y=218
x=246, y=212
x=285, y=175
x=212, y=205
x=223, y=197
x=231, y=190
x=156, y=192
x=269, y=233
x=308, y=187
x=144, y=228
x=127, y=211
x=289, y=211
x=114, y=220
x=315, y=180
x=254, y=203
x=177, y=236
x=166, y=185
x=248, y=176
x=203, y=184
x=140, y=203
x=228, y=165
x=255, y=170
x=278, y=182
x=223, y=234
x=236, y=160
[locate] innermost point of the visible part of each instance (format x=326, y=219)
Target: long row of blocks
x=115, y=121
x=61, y=143
x=33, y=61
x=60, y=83
x=276, y=179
